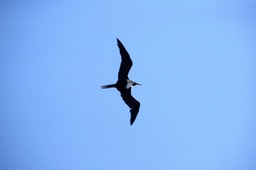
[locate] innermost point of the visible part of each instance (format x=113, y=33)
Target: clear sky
x=195, y=60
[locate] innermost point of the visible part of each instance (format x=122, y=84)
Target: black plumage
x=124, y=84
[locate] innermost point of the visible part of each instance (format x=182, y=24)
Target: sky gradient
x=195, y=61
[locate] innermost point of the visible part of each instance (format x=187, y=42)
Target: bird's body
x=124, y=84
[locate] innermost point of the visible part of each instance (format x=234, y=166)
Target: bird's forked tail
x=108, y=86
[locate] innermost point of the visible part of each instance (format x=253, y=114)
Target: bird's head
x=135, y=84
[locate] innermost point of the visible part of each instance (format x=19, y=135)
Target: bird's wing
x=126, y=63
x=133, y=104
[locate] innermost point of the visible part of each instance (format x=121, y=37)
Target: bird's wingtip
x=131, y=123
x=132, y=120
x=118, y=41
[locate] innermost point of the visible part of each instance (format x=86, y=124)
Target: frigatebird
x=124, y=84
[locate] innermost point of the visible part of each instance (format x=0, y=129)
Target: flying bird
x=124, y=84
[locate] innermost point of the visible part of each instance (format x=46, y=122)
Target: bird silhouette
x=124, y=84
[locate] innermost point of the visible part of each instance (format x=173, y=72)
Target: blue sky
x=195, y=60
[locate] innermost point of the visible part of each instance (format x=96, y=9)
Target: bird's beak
x=138, y=84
